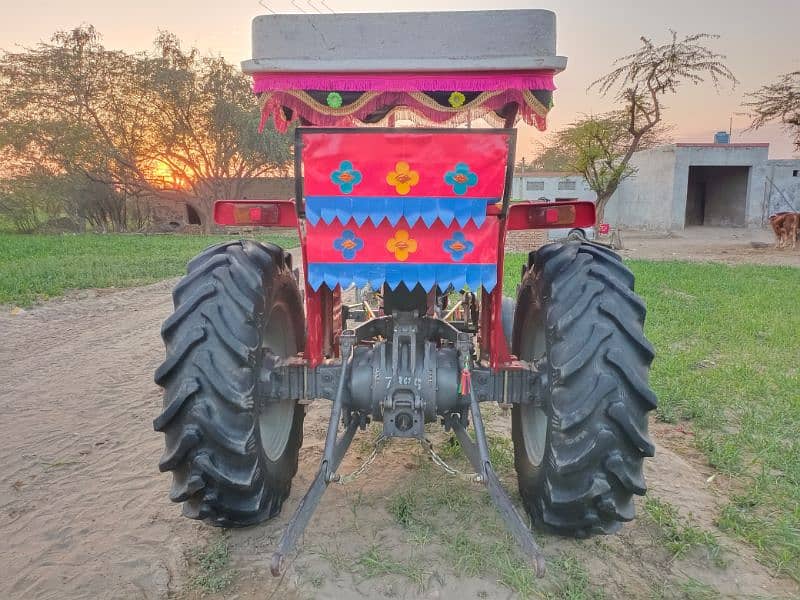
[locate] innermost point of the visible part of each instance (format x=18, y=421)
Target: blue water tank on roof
x=722, y=137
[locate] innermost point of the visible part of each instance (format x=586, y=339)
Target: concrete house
x=683, y=185
x=783, y=186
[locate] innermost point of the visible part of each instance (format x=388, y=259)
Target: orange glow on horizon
x=163, y=175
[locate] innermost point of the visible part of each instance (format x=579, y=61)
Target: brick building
x=176, y=209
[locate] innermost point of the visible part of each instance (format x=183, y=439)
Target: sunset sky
x=759, y=38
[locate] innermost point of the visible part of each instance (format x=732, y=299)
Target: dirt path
x=85, y=512
x=730, y=245
x=710, y=244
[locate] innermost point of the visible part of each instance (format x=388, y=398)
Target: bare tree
x=640, y=81
x=114, y=118
x=779, y=101
x=207, y=116
x=69, y=104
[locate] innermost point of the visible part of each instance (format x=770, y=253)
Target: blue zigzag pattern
x=377, y=208
x=393, y=274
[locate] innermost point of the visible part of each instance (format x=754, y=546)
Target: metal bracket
x=525, y=383
x=335, y=450
x=477, y=452
x=486, y=475
x=293, y=378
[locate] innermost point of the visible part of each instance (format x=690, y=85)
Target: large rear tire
x=579, y=455
x=232, y=456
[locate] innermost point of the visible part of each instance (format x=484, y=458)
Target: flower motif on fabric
x=461, y=178
x=346, y=177
x=348, y=244
x=458, y=246
x=401, y=245
x=402, y=179
x=457, y=99
x=334, y=100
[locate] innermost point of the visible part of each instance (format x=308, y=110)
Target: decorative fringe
x=531, y=110
x=434, y=81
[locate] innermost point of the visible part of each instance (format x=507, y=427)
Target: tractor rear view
x=420, y=216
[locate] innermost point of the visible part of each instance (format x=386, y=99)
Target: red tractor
x=419, y=215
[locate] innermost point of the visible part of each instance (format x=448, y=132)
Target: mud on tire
x=228, y=465
x=579, y=457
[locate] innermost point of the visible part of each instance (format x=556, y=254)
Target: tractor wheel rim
x=534, y=419
x=534, y=433
x=275, y=418
x=275, y=425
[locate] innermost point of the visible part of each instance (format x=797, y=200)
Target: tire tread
x=599, y=361
x=209, y=378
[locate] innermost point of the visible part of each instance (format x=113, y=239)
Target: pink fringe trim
x=468, y=81
x=403, y=104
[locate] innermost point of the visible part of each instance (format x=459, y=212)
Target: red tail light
x=255, y=213
x=551, y=215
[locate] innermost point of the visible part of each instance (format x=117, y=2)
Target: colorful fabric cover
x=350, y=99
x=403, y=206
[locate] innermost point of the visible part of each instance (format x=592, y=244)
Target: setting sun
x=162, y=175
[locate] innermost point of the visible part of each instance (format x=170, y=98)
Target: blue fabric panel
x=312, y=213
x=428, y=275
x=316, y=277
x=378, y=208
x=463, y=213
x=478, y=214
x=412, y=208
x=360, y=212
x=396, y=273
x=392, y=211
x=344, y=212
x=430, y=212
x=474, y=279
x=488, y=277
x=328, y=211
x=426, y=278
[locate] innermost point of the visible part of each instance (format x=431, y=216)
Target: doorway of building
x=192, y=216
x=717, y=196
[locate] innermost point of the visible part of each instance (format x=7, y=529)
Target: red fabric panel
x=430, y=155
x=430, y=242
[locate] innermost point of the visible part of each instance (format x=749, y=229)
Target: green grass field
x=727, y=342
x=36, y=267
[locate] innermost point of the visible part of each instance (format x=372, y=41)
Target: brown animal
x=786, y=226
